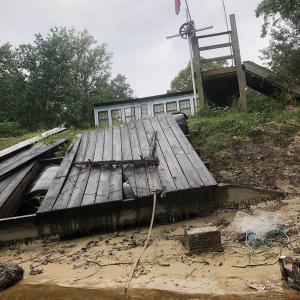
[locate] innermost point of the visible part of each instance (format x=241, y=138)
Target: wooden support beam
x=204, y=61
x=213, y=34
x=12, y=150
x=112, y=164
x=35, y=154
x=201, y=102
x=215, y=46
x=238, y=62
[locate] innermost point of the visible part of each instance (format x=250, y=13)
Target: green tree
x=66, y=72
x=183, y=81
x=282, y=25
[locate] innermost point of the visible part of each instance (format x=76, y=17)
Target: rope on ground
x=145, y=246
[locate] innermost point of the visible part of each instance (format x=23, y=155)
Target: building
x=113, y=112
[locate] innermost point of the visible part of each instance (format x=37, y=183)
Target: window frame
x=159, y=112
x=100, y=120
x=172, y=110
x=117, y=119
x=184, y=109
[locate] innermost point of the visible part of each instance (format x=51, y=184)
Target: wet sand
x=99, y=266
x=51, y=292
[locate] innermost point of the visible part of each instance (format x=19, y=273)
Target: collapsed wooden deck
x=81, y=189
x=18, y=167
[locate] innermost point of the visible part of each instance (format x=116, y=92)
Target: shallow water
x=53, y=292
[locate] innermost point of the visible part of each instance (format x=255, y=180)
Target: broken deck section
x=89, y=194
x=79, y=185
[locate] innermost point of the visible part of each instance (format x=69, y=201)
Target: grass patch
x=213, y=129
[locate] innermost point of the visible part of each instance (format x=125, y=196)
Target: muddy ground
x=105, y=261
x=268, y=157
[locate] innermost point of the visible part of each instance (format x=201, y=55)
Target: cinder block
x=203, y=239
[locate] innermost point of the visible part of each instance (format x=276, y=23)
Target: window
x=128, y=114
x=137, y=112
x=116, y=115
x=144, y=109
x=185, y=106
x=171, y=107
x=103, y=118
x=158, y=109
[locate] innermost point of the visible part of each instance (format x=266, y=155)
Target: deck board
x=173, y=165
x=66, y=192
x=142, y=186
x=128, y=171
x=84, y=175
x=166, y=179
x=61, y=176
x=12, y=150
x=151, y=172
x=116, y=181
x=93, y=180
x=190, y=152
x=104, y=181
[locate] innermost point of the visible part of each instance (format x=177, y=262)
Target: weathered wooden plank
x=32, y=155
x=13, y=196
x=104, y=181
x=151, y=172
x=142, y=186
x=61, y=176
x=174, y=167
x=217, y=46
x=213, y=34
x=219, y=58
x=116, y=181
x=66, y=191
x=186, y=165
x=14, y=180
x=4, y=183
x=28, y=143
x=238, y=62
x=166, y=179
x=196, y=161
x=93, y=181
x=83, y=177
x=127, y=155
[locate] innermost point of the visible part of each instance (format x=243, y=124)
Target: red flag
x=177, y=6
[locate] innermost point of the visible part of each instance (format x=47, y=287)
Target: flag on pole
x=177, y=6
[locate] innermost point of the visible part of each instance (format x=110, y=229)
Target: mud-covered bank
x=51, y=292
x=105, y=261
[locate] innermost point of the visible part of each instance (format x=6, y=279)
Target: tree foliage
x=282, y=25
x=57, y=79
x=183, y=81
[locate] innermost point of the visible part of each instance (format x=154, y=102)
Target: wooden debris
x=290, y=271
x=28, y=143
x=10, y=274
x=203, y=239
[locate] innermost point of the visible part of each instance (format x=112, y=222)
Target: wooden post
x=201, y=103
x=238, y=62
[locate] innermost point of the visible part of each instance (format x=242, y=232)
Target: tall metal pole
x=192, y=63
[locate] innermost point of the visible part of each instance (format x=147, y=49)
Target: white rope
x=145, y=245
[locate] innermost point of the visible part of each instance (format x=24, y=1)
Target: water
x=52, y=292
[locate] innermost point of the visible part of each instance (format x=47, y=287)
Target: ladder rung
x=215, y=46
x=204, y=61
x=213, y=34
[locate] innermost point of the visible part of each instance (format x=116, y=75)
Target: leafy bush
x=10, y=129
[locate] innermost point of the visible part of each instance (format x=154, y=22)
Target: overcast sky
x=135, y=31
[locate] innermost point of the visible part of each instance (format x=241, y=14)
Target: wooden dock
x=87, y=190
